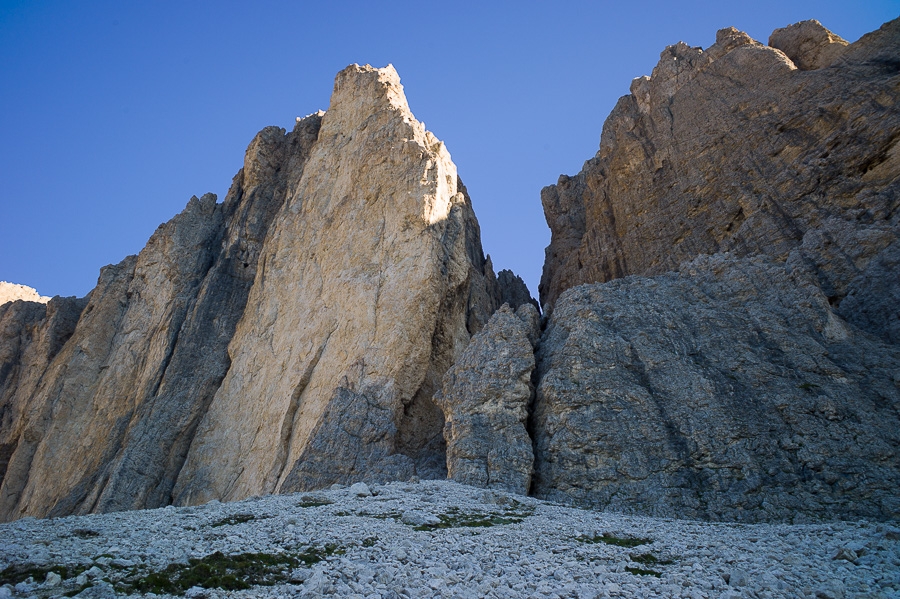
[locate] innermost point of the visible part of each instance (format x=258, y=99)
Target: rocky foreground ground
x=437, y=539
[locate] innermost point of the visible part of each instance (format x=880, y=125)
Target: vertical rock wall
x=113, y=414
x=370, y=284
x=759, y=382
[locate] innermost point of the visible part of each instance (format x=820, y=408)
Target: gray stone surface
x=728, y=391
x=485, y=398
x=410, y=540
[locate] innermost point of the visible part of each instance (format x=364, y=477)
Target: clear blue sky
x=112, y=114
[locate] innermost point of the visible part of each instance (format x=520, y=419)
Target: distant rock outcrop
x=748, y=149
x=10, y=292
x=295, y=332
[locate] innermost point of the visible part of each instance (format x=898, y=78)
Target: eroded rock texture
x=486, y=398
x=728, y=391
x=749, y=149
x=370, y=284
x=290, y=337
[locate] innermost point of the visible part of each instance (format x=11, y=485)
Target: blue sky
x=114, y=113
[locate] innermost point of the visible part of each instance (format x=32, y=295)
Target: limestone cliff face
x=31, y=334
x=370, y=284
x=749, y=149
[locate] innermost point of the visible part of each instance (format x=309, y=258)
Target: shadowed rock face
x=737, y=149
x=728, y=391
x=31, y=334
x=348, y=243
x=486, y=397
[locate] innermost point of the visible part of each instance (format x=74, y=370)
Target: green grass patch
x=313, y=503
x=807, y=386
x=17, y=573
x=227, y=572
x=85, y=533
x=648, y=559
x=369, y=541
x=642, y=572
x=609, y=539
x=456, y=518
x=381, y=516
x=237, y=519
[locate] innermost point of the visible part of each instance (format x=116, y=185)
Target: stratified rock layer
x=728, y=391
x=748, y=149
x=485, y=398
x=371, y=282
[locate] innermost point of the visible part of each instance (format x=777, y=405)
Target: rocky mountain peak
x=808, y=44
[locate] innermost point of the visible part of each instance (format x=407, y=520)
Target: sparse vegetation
x=85, y=533
x=306, y=502
x=648, y=559
x=613, y=540
x=642, y=572
x=17, y=573
x=236, y=519
x=455, y=518
x=228, y=572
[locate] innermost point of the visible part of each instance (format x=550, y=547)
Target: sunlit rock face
x=10, y=292
x=750, y=149
x=289, y=337
x=370, y=284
